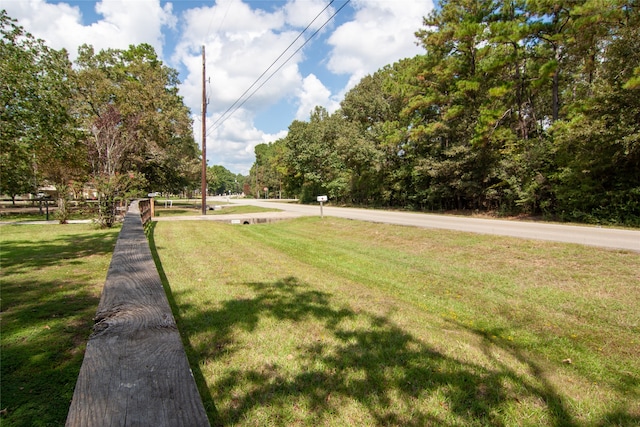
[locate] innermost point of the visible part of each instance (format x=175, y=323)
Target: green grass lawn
x=51, y=280
x=33, y=213
x=337, y=322
x=183, y=210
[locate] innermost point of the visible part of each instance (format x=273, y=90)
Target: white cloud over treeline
x=241, y=41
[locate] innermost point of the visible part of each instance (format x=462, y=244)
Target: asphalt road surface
x=612, y=238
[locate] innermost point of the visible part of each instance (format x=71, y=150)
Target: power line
x=222, y=118
x=224, y=17
x=226, y=12
x=238, y=104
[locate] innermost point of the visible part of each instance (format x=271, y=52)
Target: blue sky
x=242, y=38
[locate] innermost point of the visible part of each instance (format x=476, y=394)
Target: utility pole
x=203, y=186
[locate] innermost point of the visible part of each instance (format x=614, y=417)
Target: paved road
x=592, y=236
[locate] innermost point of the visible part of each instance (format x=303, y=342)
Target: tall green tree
x=454, y=165
x=372, y=138
x=19, y=54
x=598, y=146
x=136, y=125
x=269, y=169
x=38, y=132
x=314, y=164
x=221, y=180
x=510, y=120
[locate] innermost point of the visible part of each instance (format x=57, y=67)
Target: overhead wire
x=240, y=102
x=224, y=18
x=268, y=68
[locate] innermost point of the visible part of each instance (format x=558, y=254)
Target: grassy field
x=337, y=322
x=52, y=276
x=29, y=212
x=186, y=210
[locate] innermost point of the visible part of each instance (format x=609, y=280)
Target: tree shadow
x=361, y=359
x=390, y=365
x=539, y=385
x=21, y=255
x=45, y=324
x=192, y=356
x=375, y=364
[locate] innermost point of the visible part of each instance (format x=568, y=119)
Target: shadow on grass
x=192, y=355
x=376, y=364
x=46, y=321
x=542, y=387
x=360, y=359
x=21, y=255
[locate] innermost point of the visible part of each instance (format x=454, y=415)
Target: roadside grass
x=52, y=276
x=338, y=322
x=33, y=213
x=227, y=210
x=177, y=211
x=24, y=216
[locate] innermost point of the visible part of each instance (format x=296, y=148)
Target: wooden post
x=203, y=185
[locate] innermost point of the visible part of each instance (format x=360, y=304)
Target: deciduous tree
x=38, y=132
x=135, y=123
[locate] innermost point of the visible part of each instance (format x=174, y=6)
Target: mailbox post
x=322, y=199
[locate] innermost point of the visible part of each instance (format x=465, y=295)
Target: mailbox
x=322, y=198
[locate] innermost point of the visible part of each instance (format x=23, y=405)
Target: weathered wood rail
x=135, y=370
x=146, y=210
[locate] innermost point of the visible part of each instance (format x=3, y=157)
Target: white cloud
x=381, y=33
x=241, y=44
x=311, y=94
x=242, y=40
x=301, y=13
x=232, y=143
x=123, y=23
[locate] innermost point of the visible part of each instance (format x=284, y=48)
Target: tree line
x=113, y=119
x=516, y=107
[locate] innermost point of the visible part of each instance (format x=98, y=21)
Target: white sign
x=322, y=198
x=153, y=194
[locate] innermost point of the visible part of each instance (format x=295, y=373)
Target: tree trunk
x=63, y=206
x=556, y=96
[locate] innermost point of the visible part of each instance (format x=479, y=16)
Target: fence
x=135, y=370
x=146, y=210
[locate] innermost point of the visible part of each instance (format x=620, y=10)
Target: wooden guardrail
x=146, y=210
x=135, y=370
